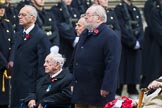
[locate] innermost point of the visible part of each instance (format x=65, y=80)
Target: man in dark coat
x=6, y=56
x=154, y=68
x=66, y=17
x=47, y=21
x=54, y=88
x=130, y=22
x=31, y=48
x=96, y=62
x=147, y=42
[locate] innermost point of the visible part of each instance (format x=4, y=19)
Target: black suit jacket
x=29, y=59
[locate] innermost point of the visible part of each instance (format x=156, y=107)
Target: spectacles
x=23, y=15
x=79, y=25
x=88, y=15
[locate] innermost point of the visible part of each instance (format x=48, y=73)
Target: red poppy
x=96, y=31
x=53, y=79
x=27, y=37
x=127, y=103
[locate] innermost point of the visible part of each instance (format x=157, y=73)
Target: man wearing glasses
x=31, y=48
x=96, y=62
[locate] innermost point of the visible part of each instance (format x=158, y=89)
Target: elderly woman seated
x=54, y=88
x=153, y=96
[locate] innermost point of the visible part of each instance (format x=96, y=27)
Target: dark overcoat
x=112, y=21
x=28, y=64
x=12, y=15
x=65, y=15
x=147, y=43
x=130, y=22
x=95, y=67
x=154, y=63
x=47, y=21
x=81, y=5
x=6, y=55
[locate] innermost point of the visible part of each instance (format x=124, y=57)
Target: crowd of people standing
x=104, y=49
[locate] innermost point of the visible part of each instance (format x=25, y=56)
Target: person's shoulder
x=6, y=22
x=38, y=30
x=67, y=73
x=56, y=6
x=135, y=8
x=109, y=32
x=107, y=29
x=118, y=6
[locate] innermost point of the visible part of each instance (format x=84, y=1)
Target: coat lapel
x=19, y=40
x=84, y=36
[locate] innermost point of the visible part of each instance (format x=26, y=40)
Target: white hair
x=56, y=57
x=100, y=11
x=32, y=11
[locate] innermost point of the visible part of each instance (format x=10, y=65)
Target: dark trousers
x=131, y=89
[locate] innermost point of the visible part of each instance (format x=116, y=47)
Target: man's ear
x=57, y=65
x=98, y=19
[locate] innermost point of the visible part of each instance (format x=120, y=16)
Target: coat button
x=111, y=18
x=137, y=17
x=75, y=15
x=9, y=39
x=9, y=48
x=7, y=31
x=50, y=19
x=82, y=47
x=76, y=81
x=76, y=64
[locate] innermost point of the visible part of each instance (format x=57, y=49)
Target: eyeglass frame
x=87, y=15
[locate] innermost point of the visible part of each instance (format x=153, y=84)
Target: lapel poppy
x=96, y=31
x=27, y=37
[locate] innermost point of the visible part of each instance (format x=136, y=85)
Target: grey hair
x=58, y=58
x=84, y=21
x=32, y=11
x=100, y=11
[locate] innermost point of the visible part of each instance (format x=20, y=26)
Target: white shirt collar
x=54, y=75
x=29, y=29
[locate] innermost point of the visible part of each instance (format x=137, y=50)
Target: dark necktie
x=24, y=34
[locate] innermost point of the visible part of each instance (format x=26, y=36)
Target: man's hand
x=104, y=93
x=154, y=85
x=31, y=104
